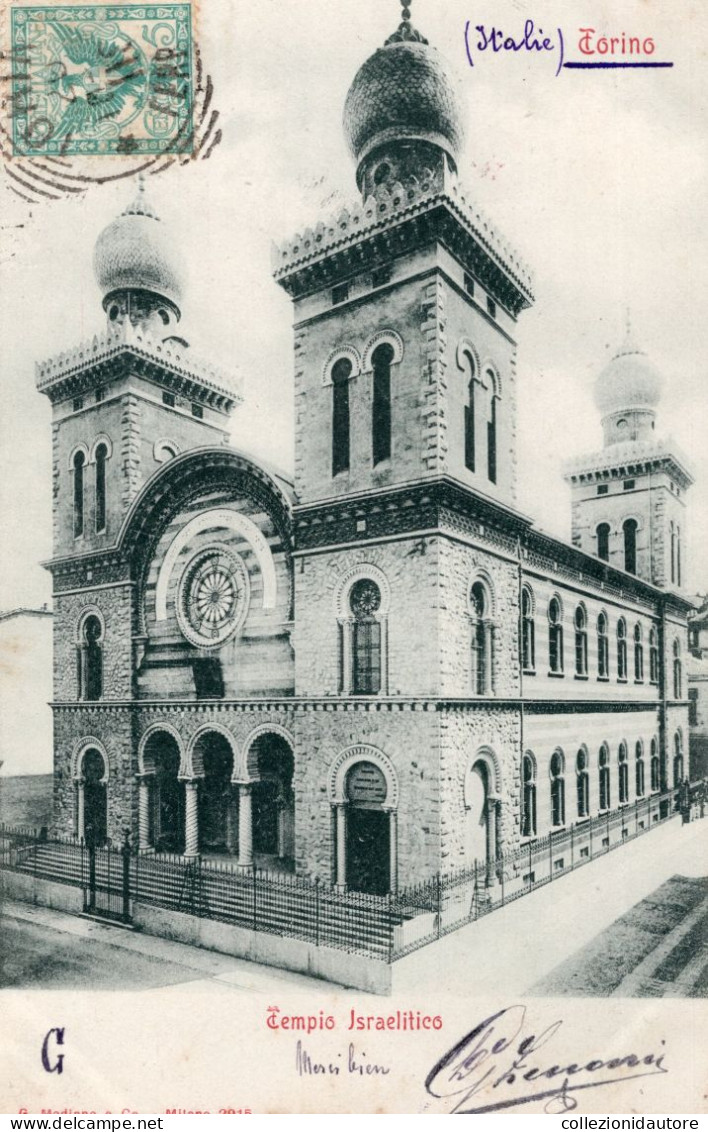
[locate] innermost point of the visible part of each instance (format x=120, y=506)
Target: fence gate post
x=255, y=898
x=92, y=875
x=126, y=878
x=438, y=901
x=317, y=911
x=390, y=927
x=572, y=846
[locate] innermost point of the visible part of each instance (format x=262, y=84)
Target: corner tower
x=129, y=399
x=405, y=303
x=628, y=500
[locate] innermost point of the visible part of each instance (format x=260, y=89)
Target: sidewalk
x=512, y=949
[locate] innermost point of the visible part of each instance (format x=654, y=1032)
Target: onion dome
x=136, y=253
x=628, y=382
x=403, y=91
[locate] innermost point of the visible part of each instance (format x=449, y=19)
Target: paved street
x=621, y=925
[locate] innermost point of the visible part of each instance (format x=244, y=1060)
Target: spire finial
x=405, y=32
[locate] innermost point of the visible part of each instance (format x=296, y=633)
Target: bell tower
x=629, y=499
x=405, y=303
x=133, y=397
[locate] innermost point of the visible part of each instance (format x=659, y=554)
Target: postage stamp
x=102, y=79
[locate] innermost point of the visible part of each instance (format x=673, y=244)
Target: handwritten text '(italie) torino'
x=594, y=47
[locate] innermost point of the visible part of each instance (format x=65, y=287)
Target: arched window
x=603, y=764
x=639, y=769
x=557, y=768
x=654, y=655
x=528, y=800
x=603, y=648
x=79, y=463
x=528, y=632
x=638, y=653
x=629, y=529
x=90, y=660
x=672, y=530
x=603, y=541
x=621, y=649
x=678, y=759
x=341, y=372
x=482, y=641
x=364, y=603
x=470, y=417
x=381, y=360
x=623, y=774
x=582, y=779
x=677, y=669
x=492, y=439
x=101, y=457
x=555, y=636
x=655, y=766
x=581, y=642
x=678, y=555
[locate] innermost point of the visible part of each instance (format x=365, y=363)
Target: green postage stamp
x=102, y=79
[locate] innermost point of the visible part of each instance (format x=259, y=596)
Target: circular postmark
x=93, y=94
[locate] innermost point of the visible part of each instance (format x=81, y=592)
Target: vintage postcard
x=353, y=622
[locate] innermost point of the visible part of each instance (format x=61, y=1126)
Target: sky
x=597, y=178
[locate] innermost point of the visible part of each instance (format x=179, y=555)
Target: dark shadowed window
x=555, y=636
x=528, y=800
x=364, y=603
x=492, y=442
x=79, y=462
x=603, y=763
x=581, y=642
x=470, y=417
x=341, y=372
x=101, y=458
x=603, y=650
x=603, y=541
x=629, y=529
x=639, y=769
x=623, y=774
x=528, y=632
x=381, y=360
x=583, y=783
x=557, y=769
x=621, y=649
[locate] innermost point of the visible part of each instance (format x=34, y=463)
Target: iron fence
x=283, y=904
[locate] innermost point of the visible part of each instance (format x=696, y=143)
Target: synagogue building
x=376, y=669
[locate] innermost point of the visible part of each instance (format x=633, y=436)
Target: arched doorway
x=94, y=772
x=273, y=800
x=481, y=818
x=167, y=809
x=217, y=805
x=368, y=829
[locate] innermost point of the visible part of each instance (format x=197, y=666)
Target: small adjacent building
x=26, y=745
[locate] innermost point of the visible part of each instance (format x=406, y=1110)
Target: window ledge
x=604, y=679
x=529, y=671
x=621, y=679
x=557, y=675
x=581, y=676
x=582, y=820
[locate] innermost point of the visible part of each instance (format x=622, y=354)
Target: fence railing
x=283, y=904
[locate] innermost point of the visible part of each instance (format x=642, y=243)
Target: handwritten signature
x=496, y=1055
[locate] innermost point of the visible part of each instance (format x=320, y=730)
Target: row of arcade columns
x=191, y=823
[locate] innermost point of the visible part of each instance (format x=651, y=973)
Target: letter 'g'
x=58, y=1067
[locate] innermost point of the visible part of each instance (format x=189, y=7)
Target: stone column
x=347, y=658
x=80, y=808
x=393, y=850
x=384, y=656
x=488, y=658
x=245, y=825
x=143, y=811
x=492, y=803
x=340, y=813
x=229, y=820
x=191, y=833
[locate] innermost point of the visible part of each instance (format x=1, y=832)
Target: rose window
x=213, y=597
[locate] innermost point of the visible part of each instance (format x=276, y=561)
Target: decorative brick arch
x=356, y=574
x=485, y=580
x=193, y=760
x=234, y=521
x=102, y=438
x=465, y=349
x=489, y=760
x=88, y=743
x=86, y=612
x=390, y=337
x=347, y=758
x=155, y=729
x=78, y=448
x=165, y=449
x=349, y=352
x=488, y=369
x=246, y=771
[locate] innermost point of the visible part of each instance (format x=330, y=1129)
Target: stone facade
x=360, y=675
